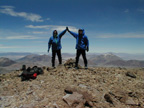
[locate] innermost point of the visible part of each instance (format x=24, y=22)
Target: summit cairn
x=70, y=63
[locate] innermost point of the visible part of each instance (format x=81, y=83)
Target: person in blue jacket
x=82, y=44
x=55, y=42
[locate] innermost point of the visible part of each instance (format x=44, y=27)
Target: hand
x=67, y=29
x=87, y=49
x=48, y=50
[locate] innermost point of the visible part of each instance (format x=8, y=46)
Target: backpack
x=28, y=74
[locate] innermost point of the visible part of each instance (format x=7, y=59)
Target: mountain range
x=6, y=62
x=18, y=55
x=111, y=60
x=104, y=60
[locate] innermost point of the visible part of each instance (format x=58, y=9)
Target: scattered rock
x=55, y=105
x=78, y=97
x=130, y=101
x=88, y=97
x=43, y=67
x=27, y=106
x=98, y=87
x=89, y=104
x=70, y=89
x=74, y=99
x=48, y=69
x=132, y=94
x=130, y=74
x=80, y=105
x=123, y=99
x=29, y=92
x=8, y=105
x=108, y=98
x=82, y=86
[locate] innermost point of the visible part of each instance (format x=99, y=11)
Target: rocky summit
x=67, y=87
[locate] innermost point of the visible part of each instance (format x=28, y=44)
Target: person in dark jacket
x=55, y=42
x=82, y=44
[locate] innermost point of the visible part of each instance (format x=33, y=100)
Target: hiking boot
x=60, y=64
x=86, y=67
x=76, y=67
x=53, y=67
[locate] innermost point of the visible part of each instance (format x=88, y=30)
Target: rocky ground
x=66, y=87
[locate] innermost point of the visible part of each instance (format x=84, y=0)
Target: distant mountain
x=68, y=55
x=126, y=56
x=29, y=57
x=41, y=60
x=112, y=60
x=35, y=58
x=18, y=55
x=135, y=63
x=123, y=63
x=13, y=55
x=108, y=59
x=6, y=62
x=29, y=60
x=103, y=59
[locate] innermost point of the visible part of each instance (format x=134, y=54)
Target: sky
x=111, y=25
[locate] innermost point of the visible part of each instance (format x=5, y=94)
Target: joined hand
x=67, y=29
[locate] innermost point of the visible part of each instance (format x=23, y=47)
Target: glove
x=67, y=29
x=87, y=49
x=48, y=50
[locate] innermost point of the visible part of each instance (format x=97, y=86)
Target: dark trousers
x=58, y=52
x=79, y=52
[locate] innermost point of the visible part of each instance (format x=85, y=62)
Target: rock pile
x=70, y=63
x=77, y=98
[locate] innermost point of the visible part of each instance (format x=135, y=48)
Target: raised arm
x=62, y=33
x=73, y=34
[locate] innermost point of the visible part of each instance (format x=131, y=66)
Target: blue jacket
x=82, y=42
x=55, y=42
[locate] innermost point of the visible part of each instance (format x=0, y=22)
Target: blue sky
x=111, y=25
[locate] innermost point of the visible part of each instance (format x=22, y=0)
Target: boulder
x=77, y=98
x=70, y=89
x=130, y=74
x=73, y=100
x=108, y=98
x=128, y=101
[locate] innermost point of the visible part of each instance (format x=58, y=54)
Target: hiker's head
x=81, y=32
x=55, y=33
